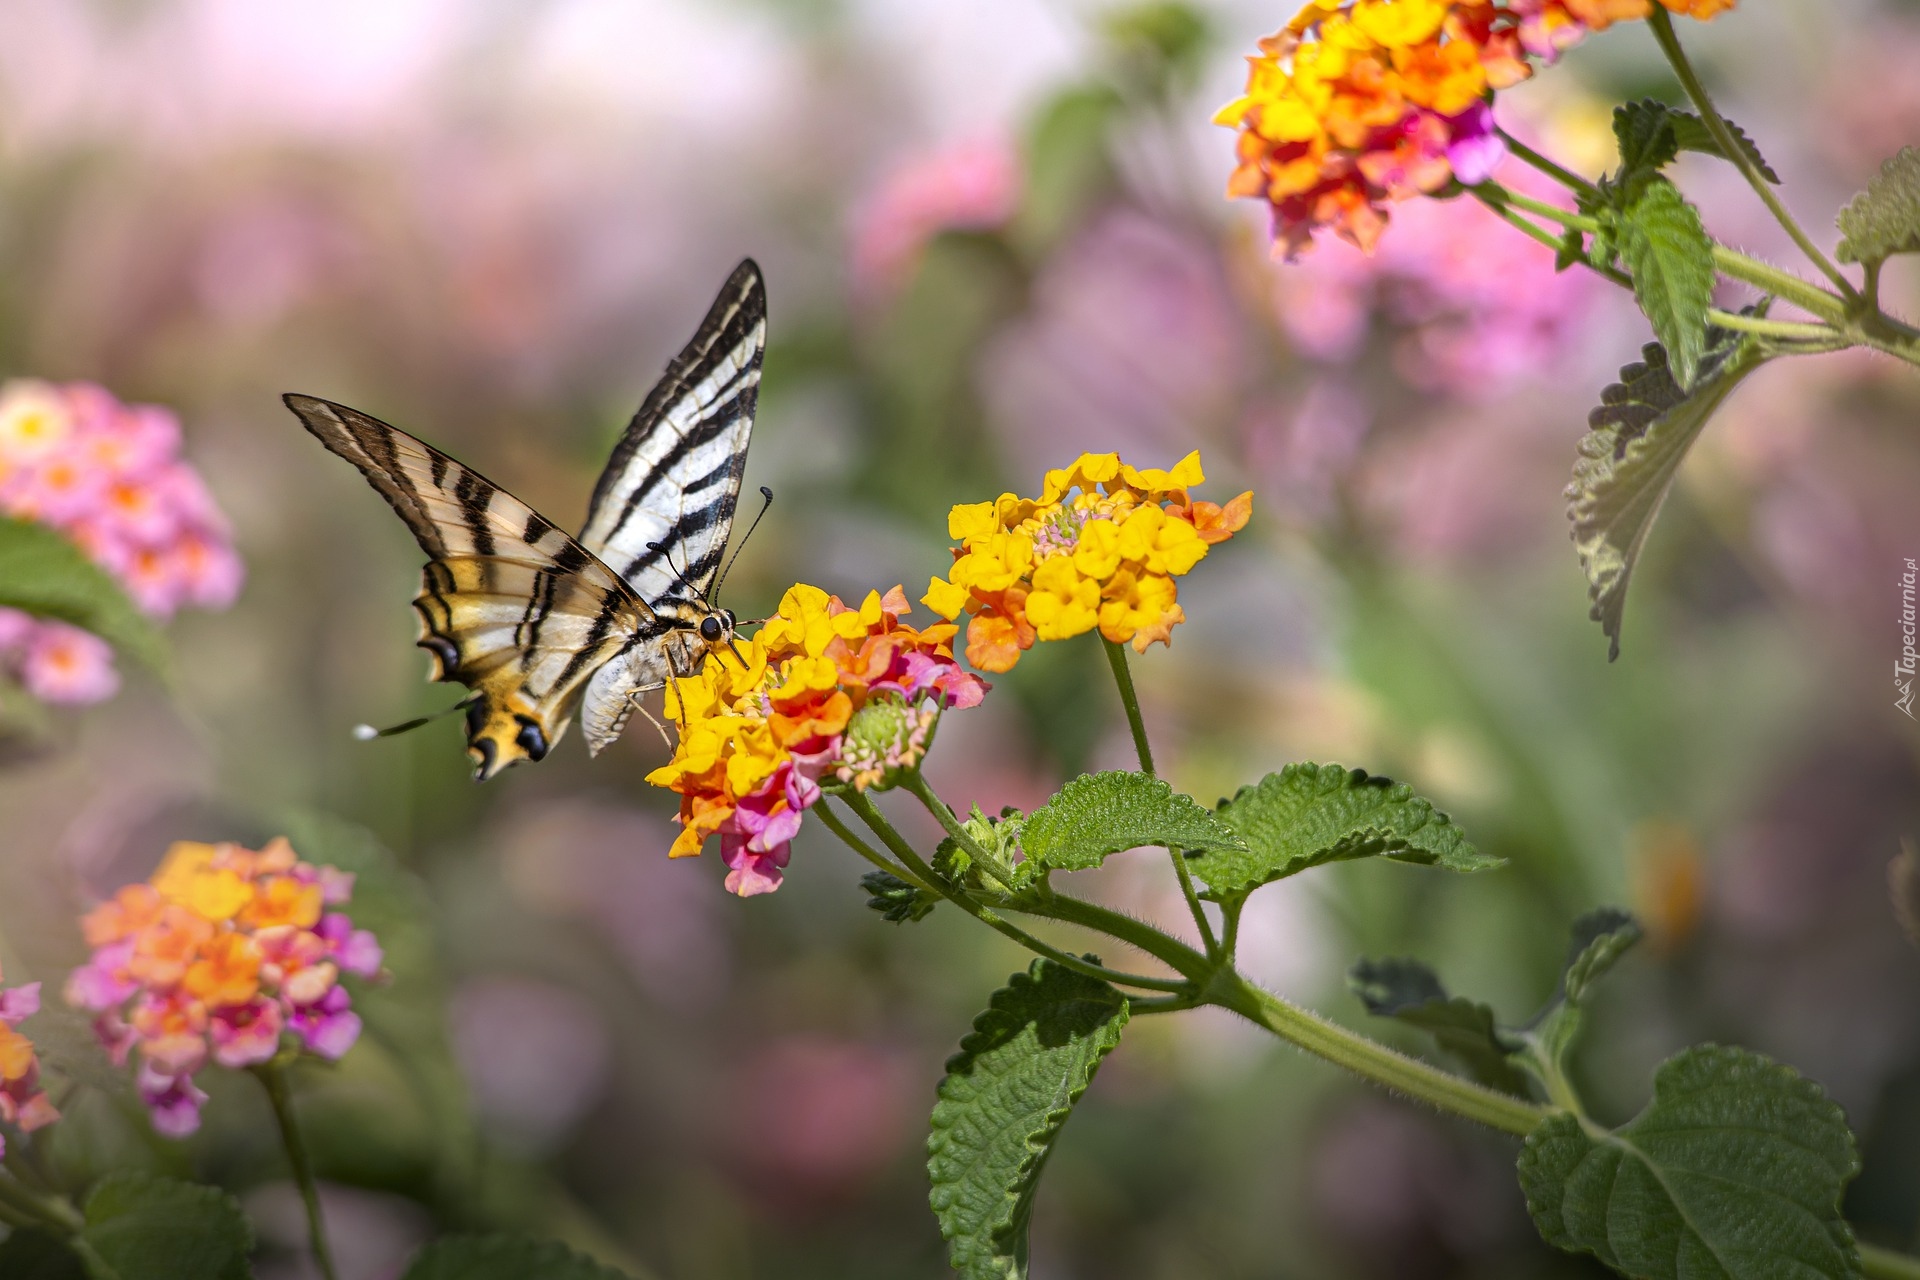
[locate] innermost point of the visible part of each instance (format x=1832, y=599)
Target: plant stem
x=1769, y=328
x=917, y=787
x=274, y=1077
x=1784, y=284
x=923, y=876
x=1559, y=173
x=1885, y=1264
x=1663, y=31
x=832, y=821
x=1123, y=678
x=1170, y=951
x=1374, y=1061
x=1551, y=212
x=1496, y=202
x=21, y=1206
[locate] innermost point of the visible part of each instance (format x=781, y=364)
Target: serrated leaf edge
x=1038, y=1146
x=1394, y=844
x=1232, y=839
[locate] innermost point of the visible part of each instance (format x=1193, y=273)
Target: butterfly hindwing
x=663, y=507
x=510, y=605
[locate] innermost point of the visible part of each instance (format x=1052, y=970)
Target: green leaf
x=895, y=899
x=1102, y=813
x=1308, y=814
x=45, y=574
x=1885, y=218
x=1671, y=260
x=1644, y=131
x=1412, y=993
x=35, y=1255
x=1734, y=1171
x=504, y=1258
x=149, y=1228
x=1643, y=428
x=1068, y=165
x=1600, y=938
x=1002, y=1104
x=1690, y=132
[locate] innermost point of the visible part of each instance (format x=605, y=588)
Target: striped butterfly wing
x=663, y=508
x=509, y=605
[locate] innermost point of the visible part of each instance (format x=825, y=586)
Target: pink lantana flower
x=22, y=1101
x=108, y=476
x=63, y=664
x=226, y=954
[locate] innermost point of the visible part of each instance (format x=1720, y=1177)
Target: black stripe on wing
x=674, y=478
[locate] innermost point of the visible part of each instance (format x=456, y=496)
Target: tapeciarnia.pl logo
x=1903, y=667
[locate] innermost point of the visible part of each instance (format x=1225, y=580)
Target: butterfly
x=542, y=625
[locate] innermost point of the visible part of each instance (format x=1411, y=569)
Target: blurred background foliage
x=993, y=237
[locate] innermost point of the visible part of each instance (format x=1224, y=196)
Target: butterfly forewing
x=510, y=605
x=663, y=508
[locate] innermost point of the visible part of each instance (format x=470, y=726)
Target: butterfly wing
x=663, y=508
x=510, y=605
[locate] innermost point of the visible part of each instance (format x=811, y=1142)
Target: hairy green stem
x=1170, y=951
x=923, y=876
x=906, y=874
x=1559, y=173
x=274, y=1077
x=1783, y=284
x=916, y=786
x=1551, y=212
x=1885, y=1264
x=1495, y=201
x=1663, y=31
x=1375, y=1061
x=1791, y=329
x=1123, y=679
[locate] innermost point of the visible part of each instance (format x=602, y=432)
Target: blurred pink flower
x=22, y=1101
x=107, y=475
x=536, y=1055
x=968, y=186
x=813, y=1117
x=1476, y=311
x=1132, y=343
x=1303, y=450
x=64, y=664
x=216, y=954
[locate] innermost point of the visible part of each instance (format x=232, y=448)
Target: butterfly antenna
x=679, y=574
x=367, y=733
x=766, y=495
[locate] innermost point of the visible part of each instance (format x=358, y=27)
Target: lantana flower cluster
x=22, y=1101
x=219, y=955
x=1100, y=547
x=1358, y=103
x=821, y=693
x=109, y=476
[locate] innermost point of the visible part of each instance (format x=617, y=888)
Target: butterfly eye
x=709, y=628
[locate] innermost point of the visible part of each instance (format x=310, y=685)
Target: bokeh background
x=993, y=237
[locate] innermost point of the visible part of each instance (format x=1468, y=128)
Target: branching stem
x=1662, y=24
x=921, y=875
x=1559, y=173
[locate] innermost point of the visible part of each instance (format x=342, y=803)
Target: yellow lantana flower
x=1100, y=547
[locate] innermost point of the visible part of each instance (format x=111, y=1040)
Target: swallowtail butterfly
x=541, y=625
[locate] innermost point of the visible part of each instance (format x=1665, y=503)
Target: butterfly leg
x=633, y=697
